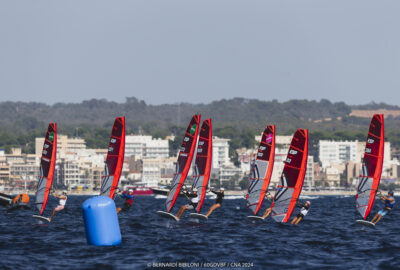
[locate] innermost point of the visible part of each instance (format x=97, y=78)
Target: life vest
x=389, y=204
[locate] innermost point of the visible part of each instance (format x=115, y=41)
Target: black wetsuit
x=220, y=197
x=302, y=205
x=191, y=195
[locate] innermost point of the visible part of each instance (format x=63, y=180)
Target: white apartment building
x=220, y=152
x=151, y=173
x=345, y=151
x=144, y=146
x=227, y=172
x=157, y=171
x=338, y=152
x=64, y=145
x=81, y=170
x=309, y=177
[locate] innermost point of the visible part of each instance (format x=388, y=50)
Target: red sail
x=185, y=157
x=371, y=169
x=47, y=167
x=203, y=163
x=261, y=170
x=115, y=159
x=292, y=179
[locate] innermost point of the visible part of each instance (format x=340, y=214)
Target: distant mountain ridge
x=238, y=112
x=237, y=119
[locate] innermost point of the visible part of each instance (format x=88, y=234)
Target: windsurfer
x=218, y=201
x=61, y=203
x=268, y=211
x=194, y=200
x=128, y=196
x=303, y=212
x=389, y=202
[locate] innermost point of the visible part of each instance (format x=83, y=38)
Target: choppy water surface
x=327, y=238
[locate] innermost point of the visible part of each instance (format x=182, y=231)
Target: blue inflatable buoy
x=101, y=222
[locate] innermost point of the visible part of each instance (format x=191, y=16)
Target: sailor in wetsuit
x=61, y=204
x=268, y=211
x=218, y=201
x=128, y=196
x=194, y=200
x=303, y=212
x=389, y=203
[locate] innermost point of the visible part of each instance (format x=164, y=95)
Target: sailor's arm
x=299, y=204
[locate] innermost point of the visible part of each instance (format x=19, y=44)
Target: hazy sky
x=199, y=51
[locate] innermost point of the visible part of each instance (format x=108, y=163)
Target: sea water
x=328, y=238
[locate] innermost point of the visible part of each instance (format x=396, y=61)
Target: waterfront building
x=64, y=145
x=220, y=152
x=338, y=152
x=144, y=146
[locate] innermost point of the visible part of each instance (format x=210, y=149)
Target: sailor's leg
x=181, y=211
x=266, y=213
x=52, y=214
x=294, y=220
x=375, y=217
x=379, y=218
x=212, y=208
x=298, y=220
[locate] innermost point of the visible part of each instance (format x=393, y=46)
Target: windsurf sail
x=115, y=159
x=292, y=178
x=203, y=163
x=186, y=152
x=261, y=170
x=371, y=168
x=47, y=167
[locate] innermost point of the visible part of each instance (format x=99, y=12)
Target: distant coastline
x=233, y=193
